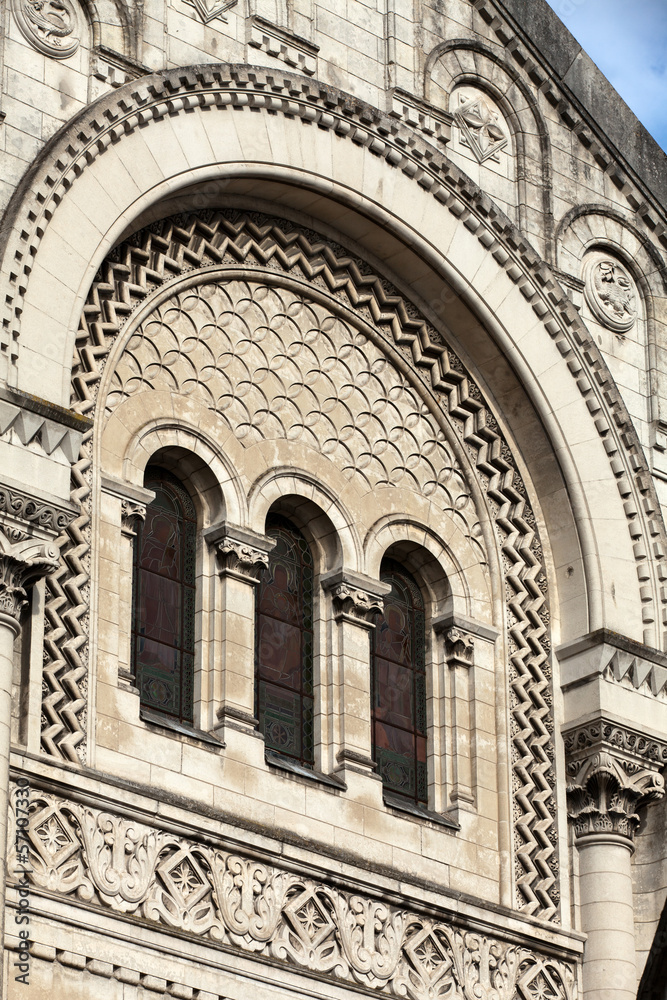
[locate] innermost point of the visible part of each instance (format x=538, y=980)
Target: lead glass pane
x=164, y=598
x=399, y=687
x=284, y=662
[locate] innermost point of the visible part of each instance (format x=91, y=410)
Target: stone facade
x=389, y=272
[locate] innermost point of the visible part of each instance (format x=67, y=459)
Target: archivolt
x=199, y=89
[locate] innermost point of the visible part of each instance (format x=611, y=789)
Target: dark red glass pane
x=164, y=598
x=284, y=660
x=399, y=688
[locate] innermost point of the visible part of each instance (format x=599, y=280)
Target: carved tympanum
x=51, y=26
x=362, y=388
x=611, y=295
x=129, y=867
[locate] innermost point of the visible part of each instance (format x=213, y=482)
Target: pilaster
x=29, y=527
x=467, y=645
x=356, y=600
x=241, y=555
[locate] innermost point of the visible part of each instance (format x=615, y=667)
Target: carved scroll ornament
x=128, y=867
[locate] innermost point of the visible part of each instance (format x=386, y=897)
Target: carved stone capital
x=132, y=512
x=241, y=553
x=612, y=771
x=24, y=558
x=356, y=598
x=133, y=502
x=459, y=647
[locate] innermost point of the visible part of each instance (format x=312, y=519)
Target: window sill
x=418, y=812
x=285, y=764
x=181, y=728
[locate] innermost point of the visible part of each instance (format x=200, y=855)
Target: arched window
x=399, y=687
x=163, y=630
x=284, y=660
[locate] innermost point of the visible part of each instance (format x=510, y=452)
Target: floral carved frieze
x=611, y=295
x=52, y=26
x=131, y=868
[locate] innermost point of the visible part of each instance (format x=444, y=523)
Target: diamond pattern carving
x=238, y=902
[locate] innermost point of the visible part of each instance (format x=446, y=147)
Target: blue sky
x=628, y=41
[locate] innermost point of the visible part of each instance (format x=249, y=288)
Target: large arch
x=342, y=161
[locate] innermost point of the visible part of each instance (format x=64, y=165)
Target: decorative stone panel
x=234, y=901
x=53, y=28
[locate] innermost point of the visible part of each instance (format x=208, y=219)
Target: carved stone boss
x=236, y=901
x=611, y=770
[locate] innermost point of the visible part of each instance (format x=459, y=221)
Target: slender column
x=116, y=570
x=612, y=771
x=23, y=559
x=459, y=654
x=242, y=556
x=356, y=602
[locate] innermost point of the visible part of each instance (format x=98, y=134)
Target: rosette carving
x=51, y=26
x=611, y=295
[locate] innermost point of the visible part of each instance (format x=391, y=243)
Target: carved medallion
x=52, y=26
x=481, y=126
x=610, y=294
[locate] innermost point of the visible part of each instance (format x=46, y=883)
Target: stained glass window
x=163, y=632
x=284, y=661
x=398, y=679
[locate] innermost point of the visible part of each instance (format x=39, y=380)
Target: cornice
x=575, y=116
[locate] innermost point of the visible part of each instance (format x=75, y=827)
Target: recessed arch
x=496, y=304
